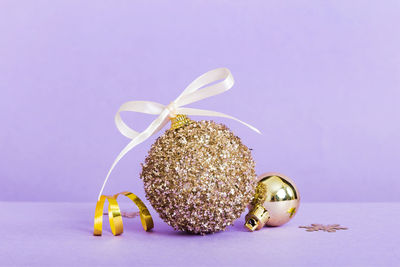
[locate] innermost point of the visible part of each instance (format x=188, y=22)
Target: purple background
x=320, y=79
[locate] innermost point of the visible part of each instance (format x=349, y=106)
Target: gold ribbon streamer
x=114, y=214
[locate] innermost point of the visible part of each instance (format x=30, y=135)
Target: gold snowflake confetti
x=331, y=228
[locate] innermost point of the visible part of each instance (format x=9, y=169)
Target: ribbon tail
x=202, y=112
x=153, y=128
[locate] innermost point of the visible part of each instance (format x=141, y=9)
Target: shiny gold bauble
x=199, y=176
x=276, y=201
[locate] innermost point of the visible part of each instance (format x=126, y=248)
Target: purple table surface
x=56, y=234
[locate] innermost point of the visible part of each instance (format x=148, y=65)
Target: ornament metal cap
x=179, y=121
x=257, y=218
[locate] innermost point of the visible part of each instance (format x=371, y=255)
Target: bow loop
x=207, y=85
x=146, y=107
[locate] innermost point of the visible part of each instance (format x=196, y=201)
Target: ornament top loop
x=179, y=121
x=209, y=84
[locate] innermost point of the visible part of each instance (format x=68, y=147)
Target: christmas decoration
x=199, y=176
x=331, y=228
x=115, y=215
x=275, y=202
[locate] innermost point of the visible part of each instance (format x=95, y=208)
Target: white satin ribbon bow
x=209, y=84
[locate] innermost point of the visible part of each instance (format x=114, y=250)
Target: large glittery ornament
x=199, y=177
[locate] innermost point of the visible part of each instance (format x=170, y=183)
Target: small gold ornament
x=199, y=176
x=275, y=202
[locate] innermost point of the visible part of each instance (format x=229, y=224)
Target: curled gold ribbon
x=114, y=214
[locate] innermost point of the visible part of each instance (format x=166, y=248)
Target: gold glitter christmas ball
x=199, y=177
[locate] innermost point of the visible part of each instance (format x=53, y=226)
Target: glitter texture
x=199, y=177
